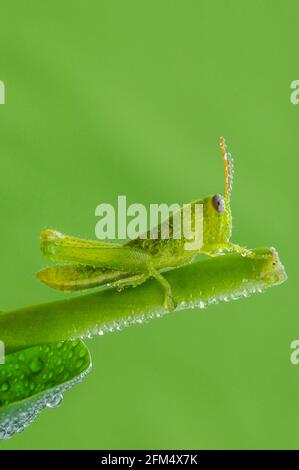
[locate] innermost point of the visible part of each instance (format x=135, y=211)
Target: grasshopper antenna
x=228, y=169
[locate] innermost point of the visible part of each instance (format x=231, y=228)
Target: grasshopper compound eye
x=218, y=203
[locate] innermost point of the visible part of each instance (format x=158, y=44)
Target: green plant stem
x=199, y=284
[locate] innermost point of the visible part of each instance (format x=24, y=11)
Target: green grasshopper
x=93, y=263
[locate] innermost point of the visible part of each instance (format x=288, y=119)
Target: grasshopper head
x=217, y=220
x=217, y=212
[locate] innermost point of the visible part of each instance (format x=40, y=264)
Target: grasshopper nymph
x=92, y=263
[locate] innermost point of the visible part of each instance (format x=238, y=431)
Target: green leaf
x=35, y=378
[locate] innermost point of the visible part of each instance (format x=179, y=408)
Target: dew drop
x=79, y=364
x=55, y=401
x=82, y=353
x=36, y=365
x=4, y=387
x=60, y=369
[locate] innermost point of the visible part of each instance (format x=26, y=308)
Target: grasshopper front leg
x=216, y=249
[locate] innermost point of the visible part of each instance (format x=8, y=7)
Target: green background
x=105, y=98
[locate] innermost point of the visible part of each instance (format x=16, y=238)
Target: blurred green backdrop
x=130, y=97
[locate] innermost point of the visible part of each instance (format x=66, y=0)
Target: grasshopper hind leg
x=132, y=281
x=74, y=277
x=137, y=279
x=70, y=278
